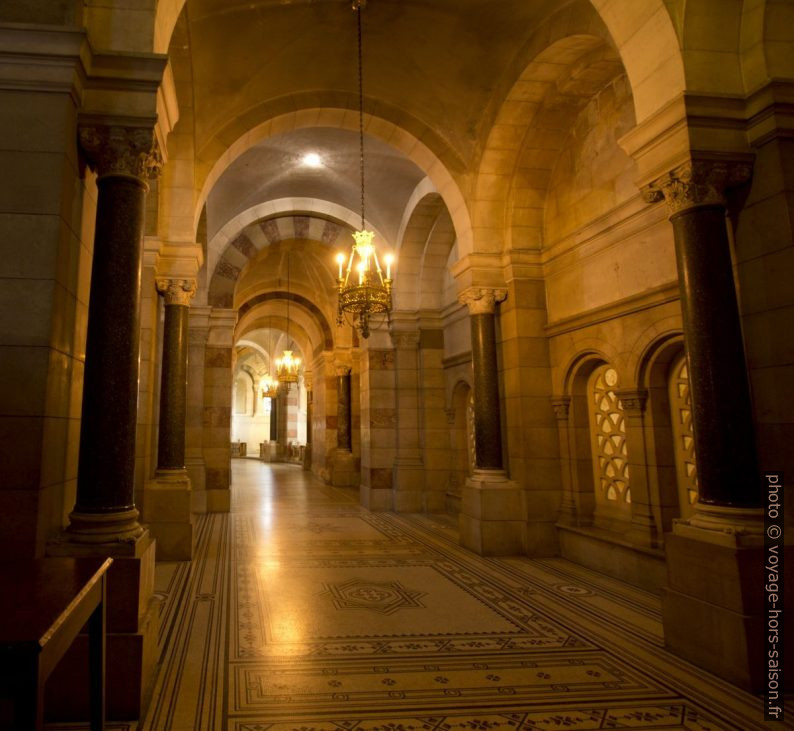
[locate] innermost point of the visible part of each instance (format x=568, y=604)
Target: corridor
x=303, y=610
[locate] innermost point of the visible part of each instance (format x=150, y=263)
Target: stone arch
x=325, y=334
x=766, y=41
x=568, y=60
x=427, y=239
x=654, y=374
x=319, y=213
x=415, y=149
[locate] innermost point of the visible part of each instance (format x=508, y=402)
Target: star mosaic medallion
x=383, y=597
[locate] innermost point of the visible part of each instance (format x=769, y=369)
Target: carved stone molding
x=450, y=416
x=176, y=291
x=482, y=301
x=405, y=339
x=117, y=150
x=561, y=406
x=342, y=370
x=632, y=400
x=697, y=183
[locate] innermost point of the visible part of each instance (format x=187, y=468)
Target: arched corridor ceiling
x=274, y=169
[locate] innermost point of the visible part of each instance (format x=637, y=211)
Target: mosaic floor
x=303, y=611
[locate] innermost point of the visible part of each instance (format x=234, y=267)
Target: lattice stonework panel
x=684, y=435
x=610, y=452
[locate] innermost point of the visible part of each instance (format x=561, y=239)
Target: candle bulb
x=388, y=259
x=340, y=260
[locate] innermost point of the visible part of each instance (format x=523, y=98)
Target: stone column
x=568, y=507
x=409, y=473
x=343, y=472
x=643, y=531
x=104, y=521
x=712, y=604
x=493, y=508
x=194, y=427
x=307, y=452
x=167, y=503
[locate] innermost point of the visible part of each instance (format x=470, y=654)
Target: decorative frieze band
x=561, y=406
x=632, y=400
x=482, y=301
x=405, y=339
x=697, y=183
x=176, y=291
x=117, y=150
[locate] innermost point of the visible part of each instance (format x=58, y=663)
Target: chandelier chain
x=361, y=106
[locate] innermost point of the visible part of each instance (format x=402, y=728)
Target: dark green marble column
x=722, y=416
x=487, y=416
x=173, y=386
x=344, y=431
x=309, y=414
x=105, y=509
x=274, y=405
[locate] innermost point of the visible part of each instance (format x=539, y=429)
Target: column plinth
x=712, y=606
x=493, y=507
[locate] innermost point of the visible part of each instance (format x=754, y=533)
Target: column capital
x=632, y=400
x=697, y=183
x=308, y=381
x=561, y=406
x=119, y=150
x=482, y=300
x=342, y=370
x=176, y=291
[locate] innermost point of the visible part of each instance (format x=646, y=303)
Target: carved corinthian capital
x=482, y=301
x=176, y=291
x=116, y=150
x=697, y=183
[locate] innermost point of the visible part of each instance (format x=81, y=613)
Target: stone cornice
x=482, y=300
x=632, y=400
x=561, y=406
x=176, y=291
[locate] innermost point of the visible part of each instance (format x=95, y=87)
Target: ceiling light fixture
x=365, y=292
x=312, y=160
x=287, y=366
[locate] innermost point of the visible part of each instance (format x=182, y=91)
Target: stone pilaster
x=643, y=531
x=343, y=473
x=307, y=452
x=568, y=507
x=167, y=505
x=198, y=328
x=711, y=605
x=409, y=474
x=493, y=508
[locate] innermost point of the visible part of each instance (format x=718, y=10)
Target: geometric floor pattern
x=303, y=611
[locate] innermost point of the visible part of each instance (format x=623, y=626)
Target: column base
x=408, y=478
x=343, y=472
x=132, y=619
x=713, y=605
x=167, y=508
x=492, y=521
x=90, y=529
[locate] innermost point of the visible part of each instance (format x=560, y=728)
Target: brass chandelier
x=364, y=290
x=287, y=366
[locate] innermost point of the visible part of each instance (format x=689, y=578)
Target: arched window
x=683, y=436
x=610, y=451
x=241, y=396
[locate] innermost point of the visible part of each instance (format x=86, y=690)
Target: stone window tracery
x=684, y=436
x=610, y=451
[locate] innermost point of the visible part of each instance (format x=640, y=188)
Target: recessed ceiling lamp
x=365, y=292
x=312, y=160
